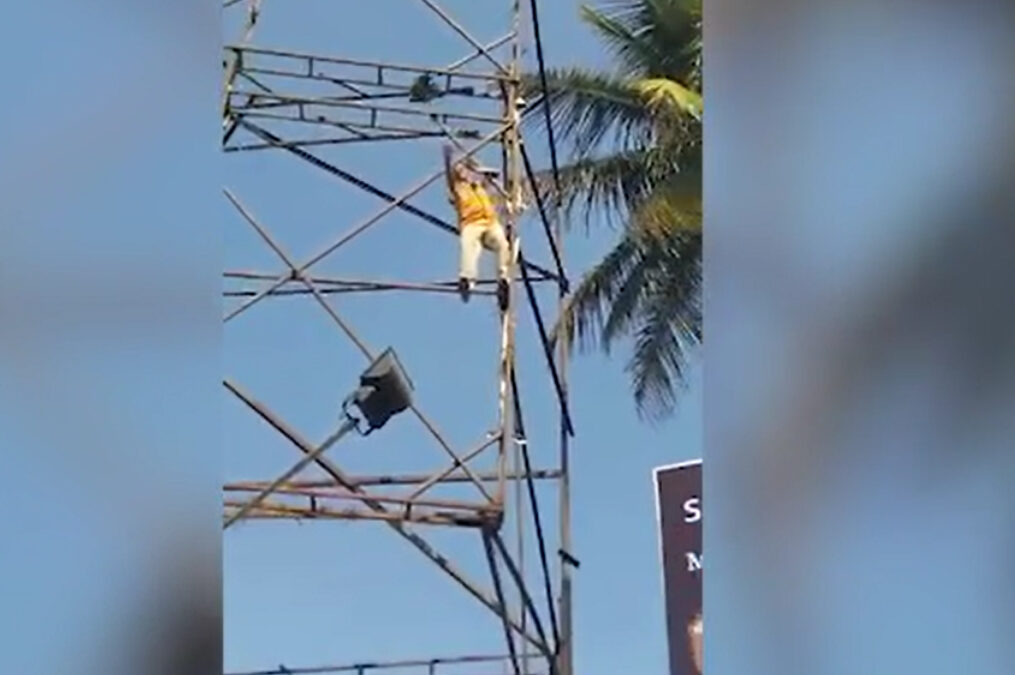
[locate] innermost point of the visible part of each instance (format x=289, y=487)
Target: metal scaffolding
x=302, y=105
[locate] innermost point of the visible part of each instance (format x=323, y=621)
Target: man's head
x=463, y=170
x=469, y=169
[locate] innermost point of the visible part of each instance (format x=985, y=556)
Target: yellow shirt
x=473, y=204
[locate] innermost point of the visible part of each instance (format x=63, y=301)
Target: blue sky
x=110, y=171
x=340, y=592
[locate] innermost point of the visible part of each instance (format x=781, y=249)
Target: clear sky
x=877, y=514
x=338, y=592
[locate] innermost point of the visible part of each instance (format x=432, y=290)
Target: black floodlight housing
x=385, y=390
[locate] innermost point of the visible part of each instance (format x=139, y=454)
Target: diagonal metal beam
x=358, y=229
x=347, y=329
x=295, y=273
x=372, y=189
x=448, y=19
x=441, y=475
x=480, y=51
x=412, y=537
x=256, y=501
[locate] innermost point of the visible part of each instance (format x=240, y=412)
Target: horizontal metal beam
x=316, y=142
x=390, y=665
x=356, y=283
x=276, y=511
x=486, y=287
x=386, y=88
x=410, y=479
x=262, y=99
x=383, y=65
x=398, y=525
x=353, y=126
x=356, y=289
x=328, y=493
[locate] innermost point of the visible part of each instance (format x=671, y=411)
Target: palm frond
x=618, y=186
x=589, y=107
x=648, y=287
x=674, y=207
x=669, y=327
x=611, y=186
x=668, y=95
x=630, y=299
x=587, y=307
x=637, y=55
x=675, y=27
x=652, y=38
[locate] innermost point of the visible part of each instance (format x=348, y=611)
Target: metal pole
x=515, y=160
x=567, y=645
x=512, y=164
x=520, y=521
x=347, y=426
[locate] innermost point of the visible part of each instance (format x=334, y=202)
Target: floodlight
x=385, y=390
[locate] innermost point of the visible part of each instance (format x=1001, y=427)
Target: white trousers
x=476, y=237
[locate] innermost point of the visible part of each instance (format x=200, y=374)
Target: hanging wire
x=546, y=102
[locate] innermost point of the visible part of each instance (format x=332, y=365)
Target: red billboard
x=678, y=507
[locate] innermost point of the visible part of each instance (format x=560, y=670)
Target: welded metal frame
x=376, y=106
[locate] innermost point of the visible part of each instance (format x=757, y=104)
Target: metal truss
x=463, y=665
x=299, y=104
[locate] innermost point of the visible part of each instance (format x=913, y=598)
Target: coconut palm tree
x=635, y=141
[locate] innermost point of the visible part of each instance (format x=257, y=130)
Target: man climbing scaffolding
x=479, y=226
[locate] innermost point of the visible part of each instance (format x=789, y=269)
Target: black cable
x=546, y=98
x=561, y=274
x=548, y=352
x=520, y=427
x=495, y=573
x=266, y=135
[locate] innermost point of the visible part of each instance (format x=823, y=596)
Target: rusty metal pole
x=515, y=191
x=566, y=647
x=511, y=140
x=566, y=640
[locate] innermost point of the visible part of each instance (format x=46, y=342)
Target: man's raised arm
x=447, y=168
